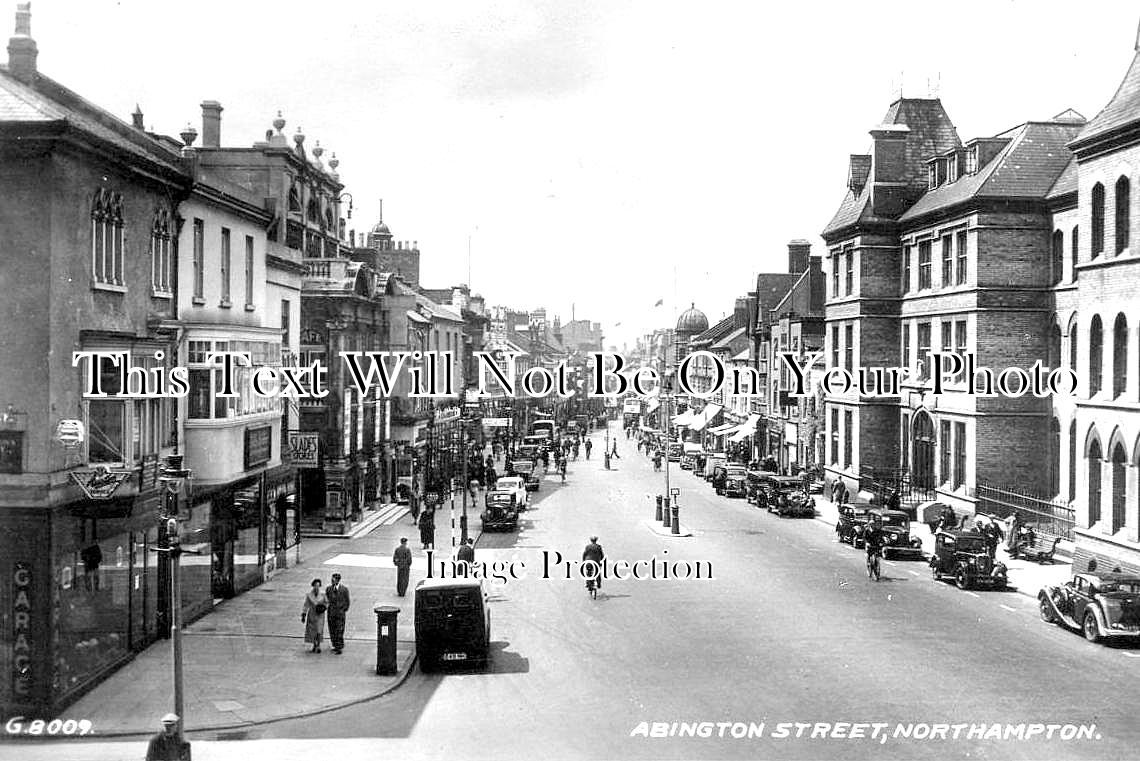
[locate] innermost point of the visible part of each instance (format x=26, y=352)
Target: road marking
x=973, y=594
x=912, y=573
x=1011, y=610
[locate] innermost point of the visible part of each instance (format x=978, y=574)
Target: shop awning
x=648, y=429
x=652, y=406
x=746, y=429
x=723, y=429
x=707, y=414
x=685, y=418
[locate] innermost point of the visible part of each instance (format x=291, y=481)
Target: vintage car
x=852, y=521
x=676, y=451
x=689, y=458
x=756, y=493
x=785, y=496
x=502, y=513
x=515, y=485
x=715, y=461
x=897, y=540
x=962, y=555
x=453, y=622
x=531, y=474
x=735, y=482
x=1104, y=605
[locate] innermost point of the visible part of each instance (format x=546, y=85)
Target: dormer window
x=952, y=168
x=932, y=175
x=972, y=159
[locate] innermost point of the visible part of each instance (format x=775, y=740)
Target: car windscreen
x=970, y=544
x=898, y=521
x=1130, y=587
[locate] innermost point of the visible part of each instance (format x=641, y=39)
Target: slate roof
x=771, y=287
x=50, y=102
x=1122, y=110
x=716, y=332
x=1027, y=167
x=931, y=133
x=1066, y=182
x=726, y=342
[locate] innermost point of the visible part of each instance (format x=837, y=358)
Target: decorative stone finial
x=188, y=134
x=279, y=123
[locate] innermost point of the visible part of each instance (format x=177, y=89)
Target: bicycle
x=873, y=568
x=592, y=587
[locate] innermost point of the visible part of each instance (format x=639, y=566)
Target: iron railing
x=1046, y=515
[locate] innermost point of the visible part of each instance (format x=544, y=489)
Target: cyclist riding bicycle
x=593, y=552
x=873, y=540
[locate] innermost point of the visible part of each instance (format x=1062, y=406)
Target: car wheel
x=1045, y=608
x=962, y=579
x=1091, y=630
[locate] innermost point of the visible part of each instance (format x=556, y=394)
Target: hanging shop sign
x=304, y=449
x=258, y=446
x=70, y=433
x=100, y=482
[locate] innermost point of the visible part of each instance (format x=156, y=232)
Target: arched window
x=1097, y=221
x=1055, y=346
x=1122, y=216
x=1094, y=482
x=160, y=279
x=924, y=443
x=1119, y=355
x=1074, y=249
x=107, y=237
x=1072, y=460
x=1096, y=355
x=1073, y=343
x=313, y=213
x=1055, y=457
x=1119, y=486
x=1058, y=268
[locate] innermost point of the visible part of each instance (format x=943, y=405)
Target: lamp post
x=174, y=476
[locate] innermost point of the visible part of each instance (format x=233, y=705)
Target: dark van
x=453, y=622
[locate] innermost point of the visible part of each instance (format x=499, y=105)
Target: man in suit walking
x=402, y=559
x=466, y=553
x=338, y=598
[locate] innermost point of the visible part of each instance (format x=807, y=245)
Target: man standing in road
x=466, y=552
x=402, y=559
x=337, y=595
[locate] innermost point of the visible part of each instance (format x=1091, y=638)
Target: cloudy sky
x=597, y=153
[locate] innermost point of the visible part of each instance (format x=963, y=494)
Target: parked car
x=502, y=513
x=531, y=474
x=676, y=451
x=515, y=485
x=852, y=521
x=453, y=622
x=715, y=461
x=962, y=555
x=756, y=492
x=1102, y=606
x=735, y=481
x=896, y=529
x=786, y=497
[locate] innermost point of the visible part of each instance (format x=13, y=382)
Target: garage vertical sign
x=22, y=675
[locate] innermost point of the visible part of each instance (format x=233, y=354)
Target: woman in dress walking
x=313, y=615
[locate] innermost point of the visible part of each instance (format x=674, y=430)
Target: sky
x=593, y=156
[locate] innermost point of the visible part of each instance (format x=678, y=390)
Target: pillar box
x=386, y=639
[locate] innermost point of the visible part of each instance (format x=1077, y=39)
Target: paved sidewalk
x=246, y=662
x=1025, y=577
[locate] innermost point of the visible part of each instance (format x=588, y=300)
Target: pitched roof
x=1122, y=110
x=1066, y=182
x=1027, y=167
x=716, y=332
x=726, y=341
x=770, y=290
x=50, y=102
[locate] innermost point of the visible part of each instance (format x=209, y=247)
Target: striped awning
x=685, y=418
x=723, y=429
x=705, y=417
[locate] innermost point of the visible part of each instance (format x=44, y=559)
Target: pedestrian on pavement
x=402, y=559
x=614, y=453
x=427, y=528
x=589, y=446
x=167, y=744
x=313, y=615
x=338, y=601
x=467, y=552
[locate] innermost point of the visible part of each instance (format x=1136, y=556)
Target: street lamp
x=174, y=476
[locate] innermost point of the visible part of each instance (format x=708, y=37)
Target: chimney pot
x=22, y=49
x=211, y=124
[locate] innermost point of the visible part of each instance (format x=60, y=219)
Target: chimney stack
x=211, y=124
x=888, y=170
x=799, y=251
x=137, y=118
x=22, y=50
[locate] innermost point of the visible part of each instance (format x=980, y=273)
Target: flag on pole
x=659, y=302
x=617, y=324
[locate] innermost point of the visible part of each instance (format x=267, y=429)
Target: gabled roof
x=1123, y=109
x=716, y=332
x=770, y=290
x=726, y=341
x=437, y=311
x=49, y=102
x=1026, y=168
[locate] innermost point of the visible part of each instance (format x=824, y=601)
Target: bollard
x=659, y=498
x=386, y=639
x=676, y=518
x=665, y=515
